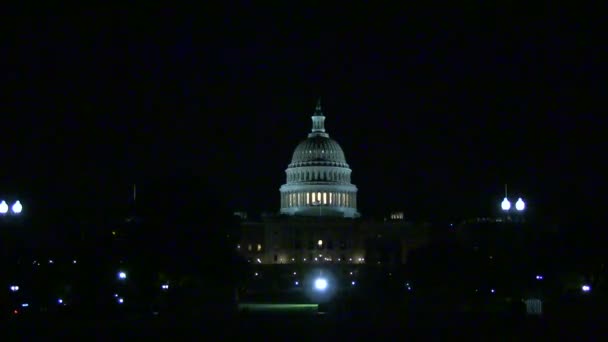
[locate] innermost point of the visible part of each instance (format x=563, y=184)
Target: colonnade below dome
x=318, y=198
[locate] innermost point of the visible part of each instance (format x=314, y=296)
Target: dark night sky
x=435, y=109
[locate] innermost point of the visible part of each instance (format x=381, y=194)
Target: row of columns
x=300, y=199
x=305, y=176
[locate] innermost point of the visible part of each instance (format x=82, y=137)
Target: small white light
x=539, y=277
x=14, y=288
x=294, y=273
x=25, y=305
x=256, y=274
x=353, y=282
x=74, y=261
x=320, y=243
x=520, y=205
x=586, y=288
x=297, y=283
x=17, y=208
x=505, y=205
x=316, y=259
x=116, y=295
x=321, y=284
x=3, y=207
x=165, y=286
x=120, y=300
x=60, y=301
x=122, y=275
x=258, y=260
x=492, y=290
x=51, y=261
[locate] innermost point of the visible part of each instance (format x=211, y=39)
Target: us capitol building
x=318, y=221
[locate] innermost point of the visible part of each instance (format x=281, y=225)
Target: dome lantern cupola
x=318, y=123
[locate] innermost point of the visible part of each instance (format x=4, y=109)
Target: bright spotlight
x=320, y=243
x=122, y=275
x=14, y=288
x=586, y=288
x=17, y=207
x=520, y=205
x=3, y=207
x=505, y=205
x=120, y=300
x=321, y=284
x=60, y=301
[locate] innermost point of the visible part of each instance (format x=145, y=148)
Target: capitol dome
x=318, y=177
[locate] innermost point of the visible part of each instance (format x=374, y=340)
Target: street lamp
x=520, y=205
x=505, y=205
x=17, y=208
x=3, y=208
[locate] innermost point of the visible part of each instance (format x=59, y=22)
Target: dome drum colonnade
x=318, y=177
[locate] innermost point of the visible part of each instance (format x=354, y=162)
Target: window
x=325, y=198
x=259, y=247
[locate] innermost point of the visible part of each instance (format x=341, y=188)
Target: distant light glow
x=74, y=261
x=539, y=277
x=164, y=286
x=320, y=243
x=60, y=301
x=520, y=205
x=297, y=283
x=14, y=288
x=586, y=288
x=121, y=300
x=3, y=207
x=17, y=207
x=505, y=205
x=492, y=290
x=321, y=284
x=25, y=305
x=122, y=275
x=353, y=283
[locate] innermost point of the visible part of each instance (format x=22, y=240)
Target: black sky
x=435, y=108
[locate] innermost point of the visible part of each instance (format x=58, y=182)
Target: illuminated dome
x=318, y=151
x=318, y=177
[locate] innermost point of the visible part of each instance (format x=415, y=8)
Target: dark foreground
x=319, y=327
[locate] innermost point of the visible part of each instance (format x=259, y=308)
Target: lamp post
x=505, y=205
x=14, y=209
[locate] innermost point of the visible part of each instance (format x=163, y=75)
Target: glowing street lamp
x=17, y=208
x=3, y=208
x=320, y=284
x=505, y=205
x=520, y=205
